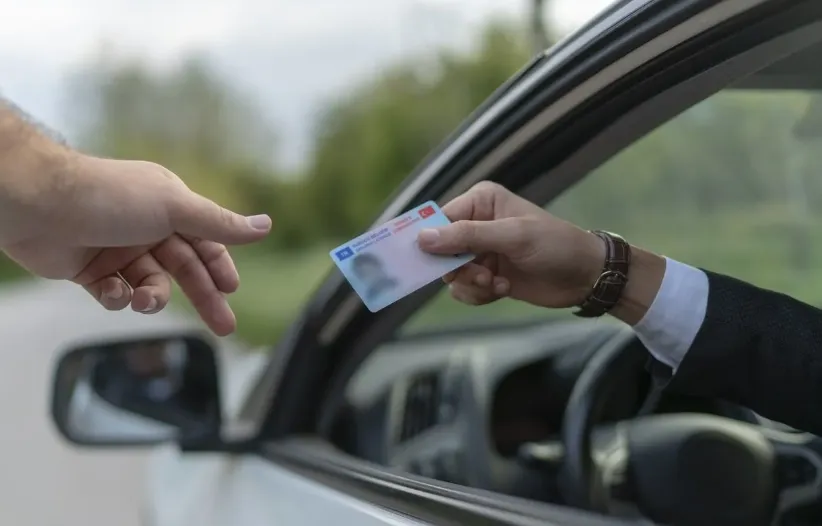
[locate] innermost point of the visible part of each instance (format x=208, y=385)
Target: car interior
x=419, y=409
x=485, y=403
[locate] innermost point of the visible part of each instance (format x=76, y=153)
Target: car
x=522, y=417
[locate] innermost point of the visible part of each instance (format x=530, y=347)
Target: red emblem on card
x=428, y=211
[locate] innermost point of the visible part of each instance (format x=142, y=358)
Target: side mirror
x=144, y=391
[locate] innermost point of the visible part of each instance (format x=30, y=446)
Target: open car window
x=734, y=185
x=716, y=186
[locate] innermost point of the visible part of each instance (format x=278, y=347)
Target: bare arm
x=22, y=139
x=32, y=122
x=34, y=163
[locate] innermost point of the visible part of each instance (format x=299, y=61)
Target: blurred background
x=309, y=110
x=313, y=111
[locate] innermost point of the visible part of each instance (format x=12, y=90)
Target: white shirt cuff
x=670, y=326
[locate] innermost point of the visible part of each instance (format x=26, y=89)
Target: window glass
x=732, y=185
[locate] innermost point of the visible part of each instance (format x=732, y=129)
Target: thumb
x=499, y=236
x=200, y=217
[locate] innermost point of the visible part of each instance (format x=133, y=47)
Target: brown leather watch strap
x=612, y=280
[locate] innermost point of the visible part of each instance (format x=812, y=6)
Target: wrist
x=34, y=180
x=644, y=280
x=592, y=262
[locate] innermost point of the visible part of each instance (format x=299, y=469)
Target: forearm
x=32, y=170
x=724, y=338
x=665, y=301
x=25, y=146
x=760, y=349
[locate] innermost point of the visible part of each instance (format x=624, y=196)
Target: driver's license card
x=385, y=264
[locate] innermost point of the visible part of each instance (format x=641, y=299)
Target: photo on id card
x=386, y=264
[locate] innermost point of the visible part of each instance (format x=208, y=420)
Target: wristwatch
x=608, y=287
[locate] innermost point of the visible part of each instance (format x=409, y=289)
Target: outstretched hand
x=124, y=229
x=523, y=252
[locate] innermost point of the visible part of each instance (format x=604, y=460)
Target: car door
x=632, y=68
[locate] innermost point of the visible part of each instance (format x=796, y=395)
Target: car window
x=734, y=185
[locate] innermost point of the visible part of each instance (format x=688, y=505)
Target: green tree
x=369, y=141
x=188, y=119
x=730, y=171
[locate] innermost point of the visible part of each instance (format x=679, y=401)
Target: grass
x=273, y=288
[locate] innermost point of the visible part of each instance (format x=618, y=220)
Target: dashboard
x=458, y=406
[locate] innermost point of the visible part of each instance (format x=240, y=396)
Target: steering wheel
x=684, y=469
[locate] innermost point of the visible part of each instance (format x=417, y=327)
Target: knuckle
x=187, y=265
x=162, y=170
x=529, y=231
x=487, y=187
x=214, y=252
x=463, y=231
x=468, y=294
x=176, y=256
x=226, y=216
x=177, y=202
x=458, y=293
x=489, y=194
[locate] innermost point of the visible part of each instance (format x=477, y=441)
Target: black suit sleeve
x=757, y=348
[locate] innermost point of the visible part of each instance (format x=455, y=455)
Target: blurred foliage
x=368, y=142
x=727, y=184
x=191, y=120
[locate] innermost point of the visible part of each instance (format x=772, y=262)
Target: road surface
x=45, y=481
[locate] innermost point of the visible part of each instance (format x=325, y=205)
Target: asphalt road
x=43, y=480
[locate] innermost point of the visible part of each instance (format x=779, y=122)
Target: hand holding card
x=386, y=264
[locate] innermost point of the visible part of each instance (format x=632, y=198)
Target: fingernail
x=113, y=292
x=428, y=236
x=500, y=287
x=483, y=280
x=259, y=222
x=152, y=304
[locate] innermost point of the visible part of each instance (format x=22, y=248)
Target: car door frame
x=593, y=82
x=570, y=93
